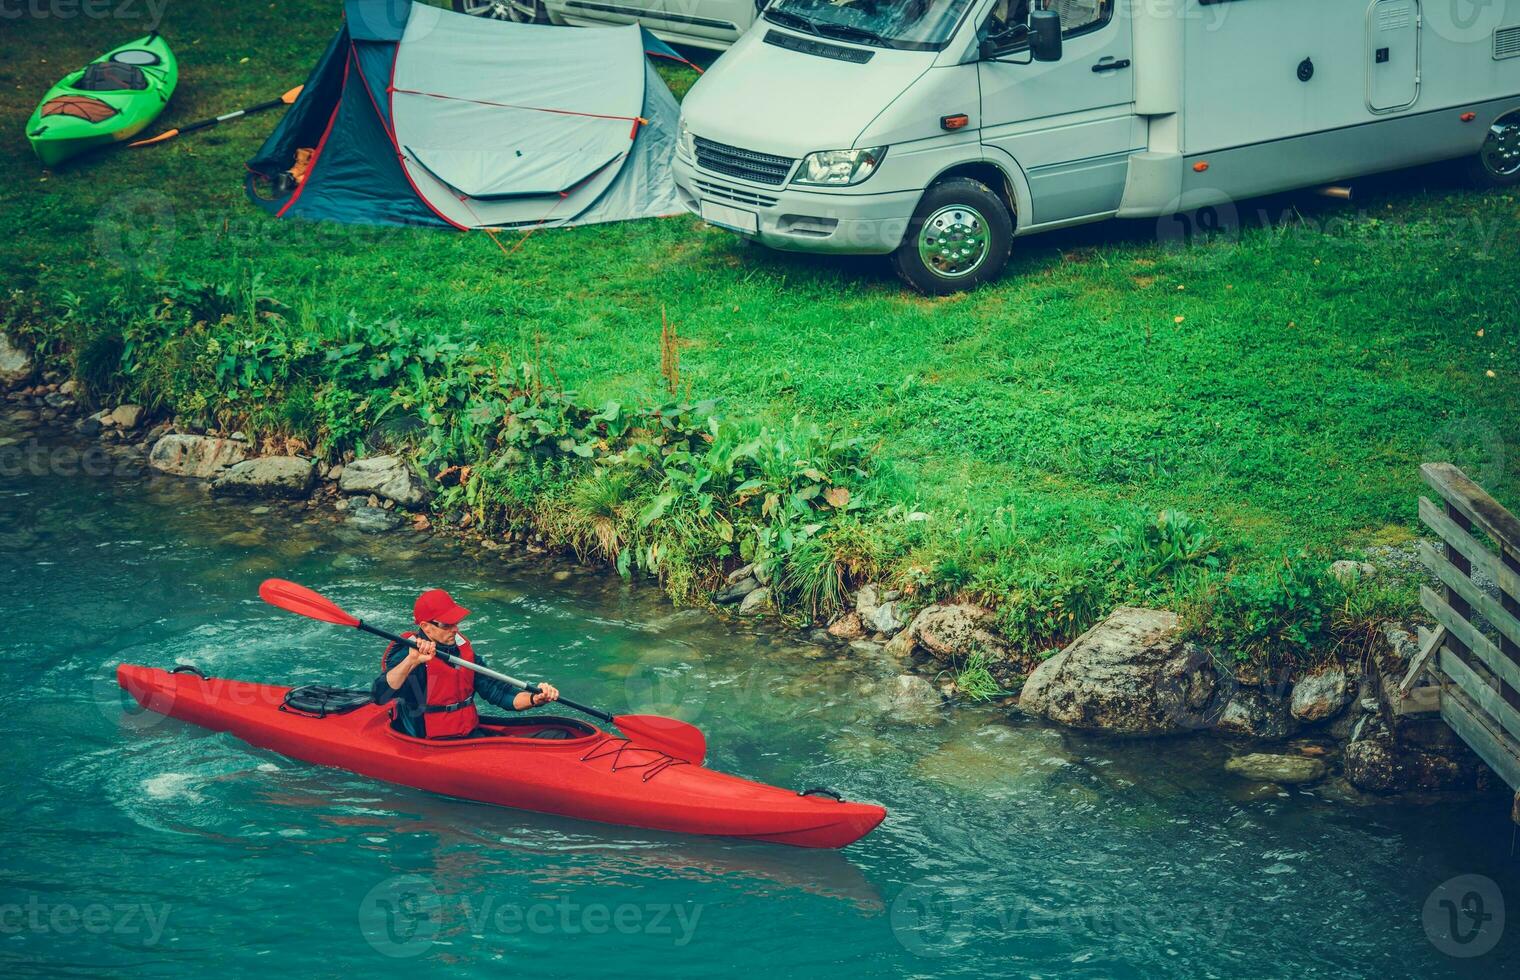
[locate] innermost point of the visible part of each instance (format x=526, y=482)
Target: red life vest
x=450, y=707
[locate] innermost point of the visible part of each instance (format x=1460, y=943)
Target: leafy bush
x=1150, y=554
x=1283, y=614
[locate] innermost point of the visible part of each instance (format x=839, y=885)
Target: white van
x=938, y=130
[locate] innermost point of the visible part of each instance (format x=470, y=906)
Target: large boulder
x=1320, y=696
x=202, y=457
x=389, y=477
x=1131, y=674
x=15, y=365
x=285, y=477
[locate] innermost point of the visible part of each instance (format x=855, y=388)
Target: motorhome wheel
x=959, y=238
x=1498, y=163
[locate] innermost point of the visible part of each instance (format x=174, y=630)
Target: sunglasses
x=449, y=627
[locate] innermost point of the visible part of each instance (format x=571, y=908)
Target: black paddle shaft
x=450, y=655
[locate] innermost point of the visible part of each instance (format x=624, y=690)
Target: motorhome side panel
x=1289, y=93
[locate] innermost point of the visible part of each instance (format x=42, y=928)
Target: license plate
x=734, y=219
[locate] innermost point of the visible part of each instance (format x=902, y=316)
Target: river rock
x=736, y=591
x=384, y=476
x=15, y=364
x=756, y=602
x=878, y=609
x=372, y=520
x=127, y=416
x=847, y=627
x=950, y=632
x=90, y=425
x=1131, y=674
x=1286, y=769
x=1347, y=571
x=1255, y=713
x=740, y=574
x=202, y=457
x=909, y=700
x=285, y=477
x=1320, y=696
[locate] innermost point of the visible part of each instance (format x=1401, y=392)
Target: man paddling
x=439, y=700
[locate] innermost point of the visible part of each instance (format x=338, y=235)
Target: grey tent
x=417, y=115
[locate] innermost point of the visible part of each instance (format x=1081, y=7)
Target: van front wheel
x=959, y=238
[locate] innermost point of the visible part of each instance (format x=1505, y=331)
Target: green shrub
x=1283, y=614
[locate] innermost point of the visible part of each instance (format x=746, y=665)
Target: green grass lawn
x=1281, y=385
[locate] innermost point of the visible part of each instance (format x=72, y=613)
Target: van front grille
x=736, y=195
x=762, y=168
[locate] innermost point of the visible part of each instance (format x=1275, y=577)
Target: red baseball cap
x=436, y=605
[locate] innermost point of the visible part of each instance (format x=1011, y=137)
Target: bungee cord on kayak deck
x=660, y=763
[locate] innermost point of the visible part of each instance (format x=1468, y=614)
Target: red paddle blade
x=303, y=602
x=670, y=735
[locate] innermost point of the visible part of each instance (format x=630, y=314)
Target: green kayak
x=110, y=99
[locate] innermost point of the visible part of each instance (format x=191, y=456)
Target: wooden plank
x=1499, y=711
x=1474, y=503
x=1419, y=660
x=1458, y=711
x=1470, y=547
x=1420, y=701
x=1462, y=631
x=1474, y=597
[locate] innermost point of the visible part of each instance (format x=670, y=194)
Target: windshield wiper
x=796, y=22
x=844, y=32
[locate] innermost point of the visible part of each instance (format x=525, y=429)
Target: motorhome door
x=1393, y=54
x=1069, y=124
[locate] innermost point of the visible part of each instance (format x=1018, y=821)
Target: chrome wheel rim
x=1501, y=151
x=954, y=241
x=494, y=9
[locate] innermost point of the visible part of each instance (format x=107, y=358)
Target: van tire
x=969, y=211
x=1497, y=165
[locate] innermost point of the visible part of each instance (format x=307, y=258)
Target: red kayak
x=551, y=765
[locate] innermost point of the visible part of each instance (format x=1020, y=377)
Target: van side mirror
x=1044, y=35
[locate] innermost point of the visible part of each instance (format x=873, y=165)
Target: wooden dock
x=1474, y=652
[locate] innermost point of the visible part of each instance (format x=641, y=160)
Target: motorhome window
x=1008, y=21
x=915, y=25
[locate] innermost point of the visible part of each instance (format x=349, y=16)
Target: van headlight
x=686, y=145
x=838, y=168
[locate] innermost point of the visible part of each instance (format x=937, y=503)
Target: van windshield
x=918, y=25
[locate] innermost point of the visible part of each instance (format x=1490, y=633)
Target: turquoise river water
x=143, y=847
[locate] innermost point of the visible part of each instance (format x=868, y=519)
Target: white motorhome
x=938, y=130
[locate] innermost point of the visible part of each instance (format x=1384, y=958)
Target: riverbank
x=1044, y=850
x=1126, y=419
x=1138, y=672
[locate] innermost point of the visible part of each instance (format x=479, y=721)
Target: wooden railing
x=1475, y=650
